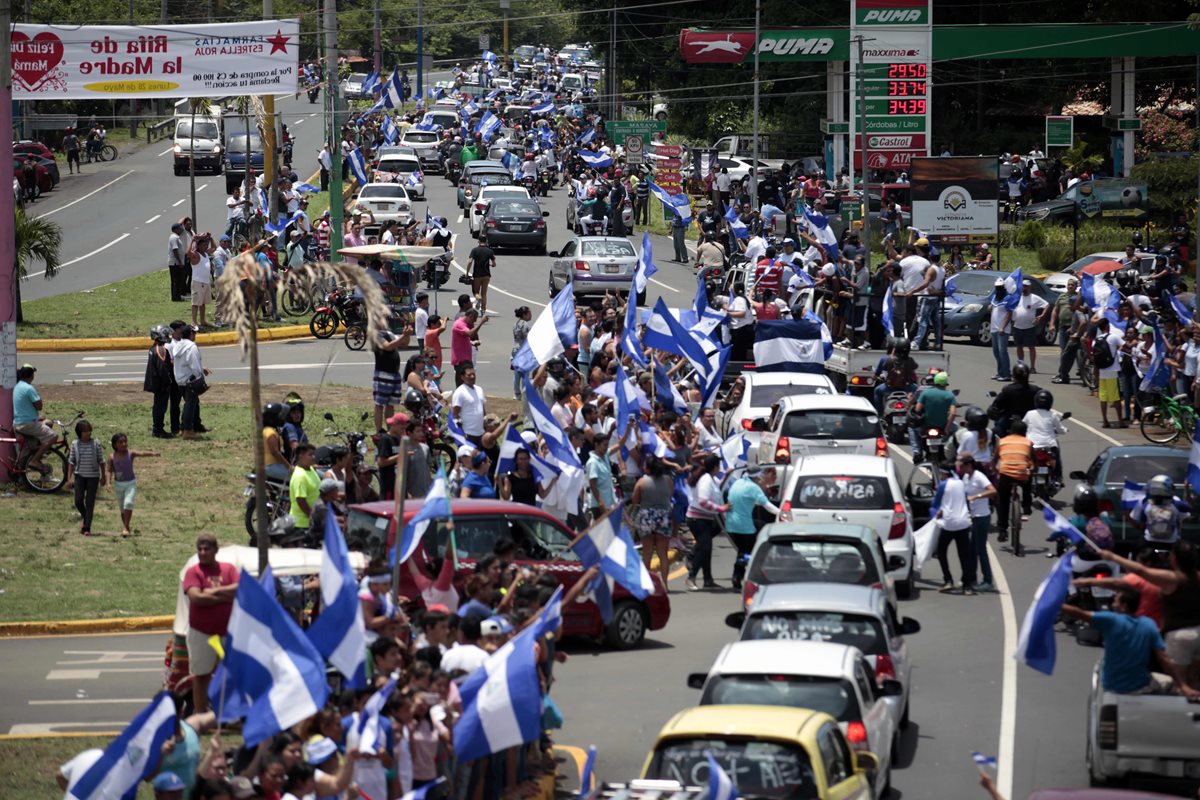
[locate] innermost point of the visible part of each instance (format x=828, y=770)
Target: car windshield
x=398, y=165
x=832, y=695
x=857, y=492
x=514, y=207
x=767, y=396
x=773, y=770
x=813, y=561
x=237, y=144
x=204, y=130
x=422, y=137
x=495, y=192
x=608, y=247
x=492, y=179
x=822, y=423
x=1141, y=468
x=389, y=190
x=855, y=630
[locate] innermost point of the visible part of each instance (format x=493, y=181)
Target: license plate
x=933, y=442
x=249, y=492
x=612, y=269
x=1043, y=470
x=384, y=206
x=513, y=227
x=898, y=419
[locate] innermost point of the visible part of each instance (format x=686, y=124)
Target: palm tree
x=38, y=239
x=202, y=105
x=1078, y=159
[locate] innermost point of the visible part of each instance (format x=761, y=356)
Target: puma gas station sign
x=733, y=47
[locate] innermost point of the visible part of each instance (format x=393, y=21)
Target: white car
x=765, y=389
x=424, y=144
x=812, y=424
x=387, y=201
x=739, y=167
x=859, y=490
x=1145, y=260
x=404, y=170
x=571, y=83
x=1057, y=282
x=486, y=194
x=821, y=676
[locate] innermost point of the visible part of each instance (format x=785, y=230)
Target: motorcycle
x=436, y=271
x=895, y=416
x=627, y=214
x=278, y=504
x=530, y=184
x=1045, y=484
x=545, y=182
x=935, y=445
x=453, y=170
x=313, y=93
x=340, y=307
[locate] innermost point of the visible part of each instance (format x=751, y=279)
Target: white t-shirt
x=977, y=483
x=1027, y=310
x=470, y=401
x=467, y=657
x=562, y=415
x=741, y=304
x=233, y=208
x=968, y=445
x=912, y=271
x=955, y=514
x=420, y=323
x=1043, y=425
x=1000, y=321
x=1114, y=341
x=756, y=248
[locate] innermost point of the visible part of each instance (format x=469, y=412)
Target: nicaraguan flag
x=358, y=166
x=652, y=443
x=392, y=93
x=307, y=188
x=435, y=506
x=792, y=345
x=419, y=794
x=436, y=92
x=628, y=406
x=551, y=334
x=510, y=162
x=586, y=782
x=667, y=393
x=556, y=439
x=664, y=332
x=1035, y=645
x=470, y=108
x=735, y=223
x=1182, y=312
x=1012, y=284
x=631, y=345
x=514, y=440
x=373, y=83
x=1158, y=375
x=1132, y=494
x=720, y=785
x=818, y=226
x=734, y=452
x=489, y=56
x=339, y=633
x=131, y=757
x=595, y=160
x=414, y=178
x=587, y=137
x=278, y=227
x=1193, y=469
x=542, y=108
x=951, y=288
x=677, y=203
x=431, y=222
x=456, y=432
x=717, y=362
x=645, y=266
x=367, y=728
x=501, y=701
x=889, y=312
x=607, y=544
x=983, y=761
x=1061, y=526
x=274, y=664
x=549, y=619
x=488, y=124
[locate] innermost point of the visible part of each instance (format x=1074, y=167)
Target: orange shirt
x=1014, y=457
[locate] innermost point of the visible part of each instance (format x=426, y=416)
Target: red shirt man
x=211, y=587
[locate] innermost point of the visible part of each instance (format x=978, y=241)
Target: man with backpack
x=1105, y=347
x=895, y=373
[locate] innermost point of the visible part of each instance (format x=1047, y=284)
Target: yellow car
x=769, y=752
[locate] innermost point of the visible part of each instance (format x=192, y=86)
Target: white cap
x=466, y=450
x=828, y=270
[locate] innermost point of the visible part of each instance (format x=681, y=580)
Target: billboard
x=109, y=61
x=956, y=200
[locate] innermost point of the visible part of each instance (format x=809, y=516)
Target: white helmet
x=829, y=270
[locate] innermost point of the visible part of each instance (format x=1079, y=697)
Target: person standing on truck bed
x=741, y=324
x=912, y=265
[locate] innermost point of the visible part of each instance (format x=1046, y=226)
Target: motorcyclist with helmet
x=1156, y=515
x=1088, y=520
x=1014, y=401
x=973, y=439
x=895, y=372
x=932, y=408
x=1043, y=427
x=278, y=467
x=595, y=212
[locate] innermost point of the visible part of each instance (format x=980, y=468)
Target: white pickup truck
x=1147, y=734
x=854, y=369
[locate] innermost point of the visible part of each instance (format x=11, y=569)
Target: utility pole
x=8, y=244
x=269, y=140
x=378, y=40
x=420, y=48
x=612, y=63
x=336, y=208
x=754, y=146
x=866, y=170
x=504, y=6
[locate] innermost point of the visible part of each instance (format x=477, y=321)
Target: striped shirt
x=86, y=458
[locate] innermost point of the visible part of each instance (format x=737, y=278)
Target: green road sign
x=1124, y=124
x=1060, y=131
x=905, y=124
x=619, y=129
x=832, y=128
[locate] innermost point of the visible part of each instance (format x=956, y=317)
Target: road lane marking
x=114, y=357
x=493, y=288
x=87, y=701
x=66, y=264
x=164, y=152
x=663, y=285
x=41, y=730
x=93, y=674
x=86, y=196
x=460, y=219
x=156, y=216
x=313, y=114
x=179, y=202
x=298, y=122
x=1008, y=692
x=1101, y=434
x=200, y=188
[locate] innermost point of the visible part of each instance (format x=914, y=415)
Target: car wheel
x=553, y=291
x=984, y=336
x=904, y=588
x=1048, y=335
x=904, y=717
x=628, y=626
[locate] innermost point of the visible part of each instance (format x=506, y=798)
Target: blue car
x=970, y=314
x=235, y=159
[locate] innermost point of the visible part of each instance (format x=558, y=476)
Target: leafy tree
x=1171, y=184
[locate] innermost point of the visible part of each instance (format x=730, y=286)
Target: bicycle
x=106, y=152
x=1014, y=521
x=53, y=475
x=1168, y=419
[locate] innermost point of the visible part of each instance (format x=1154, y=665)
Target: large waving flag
x=1035, y=645
x=1158, y=374
x=556, y=439
x=131, y=757
x=372, y=84
x=1060, y=526
x=273, y=663
x=627, y=401
x=435, y=506
x=338, y=633
x=456, y=432
x=551, y=333
x=950, y=287
x=542, y=108
x=631, y=345
x=488, y=124
x=664, y=332
x=608, y=544
x=391, y=93
x=1012, y=284
x=1097, y=292
x=735, y=223
x=734, y=452
x=587, y=137
x=678, y=203
x=667, y=393
x=514, y=440
x=792, y=345
x=358, y=166
x=1182, y=312
x=717, y=362
x=1132, y=494
x=433, y=223
x=645, y=265
x=818, y=226
x=368, y=729
x=595, y=160
x=501, y=701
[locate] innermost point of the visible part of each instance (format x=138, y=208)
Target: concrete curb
x=68, y=627
x=143, y=342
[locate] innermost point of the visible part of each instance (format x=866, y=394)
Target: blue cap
x=319, y=749
x=168, y=782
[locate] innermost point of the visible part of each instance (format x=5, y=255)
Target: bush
x=1171, y=184
x=1053, y=258
x=1031, y=235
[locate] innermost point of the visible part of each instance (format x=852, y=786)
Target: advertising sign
x=956, y=200
x=1060, y=132
x=699, y=46
x=668, y=150
x=107, y=61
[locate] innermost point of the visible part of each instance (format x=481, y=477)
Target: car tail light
x=480, y=206
x=862, y=380
x=899, y=520
x=747, y=424
x=783, y=451
x=785, y=511
x=539, y=225
x=1106, y=731
x=749, y=589
x=856, y=735
x=583, y=266
x=491, y=223
x=884, y=669
x=881, y=447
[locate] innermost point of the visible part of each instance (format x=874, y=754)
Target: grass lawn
x=49, y=572
x=125, y=308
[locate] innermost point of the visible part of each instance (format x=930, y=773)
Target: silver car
x=596, y=264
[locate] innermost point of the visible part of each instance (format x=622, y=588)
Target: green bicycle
x=1168, y=419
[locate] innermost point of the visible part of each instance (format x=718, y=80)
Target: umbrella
x=1101, y=267
x=413, y=254
x=609, y=390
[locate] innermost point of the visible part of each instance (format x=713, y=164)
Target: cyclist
x=27, y=417
x=1156, y=515
x=933, y=408
x=1014, y=465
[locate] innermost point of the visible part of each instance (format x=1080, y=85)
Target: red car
x=44, y=180
x=34, y=148
x=540, y=539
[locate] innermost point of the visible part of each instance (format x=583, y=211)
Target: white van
x=204, y=140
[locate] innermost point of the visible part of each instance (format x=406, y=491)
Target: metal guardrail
x=159, y=130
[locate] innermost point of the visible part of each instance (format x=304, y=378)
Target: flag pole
x=588, y=529
x=398, y=516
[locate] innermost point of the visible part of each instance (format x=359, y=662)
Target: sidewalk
x=142, y=342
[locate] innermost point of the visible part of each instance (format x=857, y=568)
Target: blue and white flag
x=456, y=432
x=608, y=544
x=678, y=203
x=1182, y=312
x=414, y=179
x=501, y=701
x=628, y=406
x=510, y=162
x=587, y=137
x=652, y=443
x=372, y=83
x=549, y=619
x=720, y=785
x=489, y=57
x=307, y=188
x=735, y=222
x=818, y=226
x=792, y=345
x=368, y=730
x=339, y=633
x=391, y=93
x=435, y=506
x=272, y=662
x=1060, y=526
x=131, y=757
x=551, y=333
x=1158, y=374
x=1012, y=285
x=562, y=454
x=595, y=160
x=664, y=332
x=1193, y=468
x=358, y=166
x=585, y=775
x=734, y=452
x=419, y=794
x=1035, y=644
x=1132, y=494
x=645, y=266
x=390, y=132
x=631, y=345
x=431, y=222
x=982, y=761
x=950, y=287
x=488, y=124
x=889, y=312
x=470, y=108
x=278, y=227
x=436, y=92
x=717, y=362
x=542, y=108
x=668, y=395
